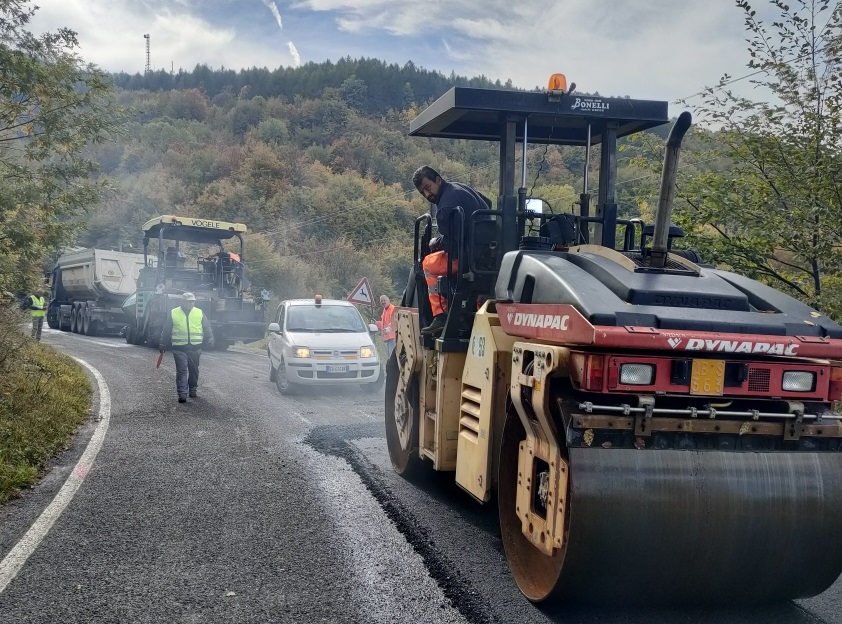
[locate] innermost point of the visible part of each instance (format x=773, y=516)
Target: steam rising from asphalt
x=293, y=51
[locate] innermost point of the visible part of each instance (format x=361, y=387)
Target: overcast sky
x=645, y=49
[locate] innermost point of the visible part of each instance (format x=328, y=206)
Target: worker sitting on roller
x=445, y=197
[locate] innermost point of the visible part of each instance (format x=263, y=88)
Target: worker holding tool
x=185, y=331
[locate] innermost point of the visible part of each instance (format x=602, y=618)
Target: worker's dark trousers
x=186, y=370
x=37, y=323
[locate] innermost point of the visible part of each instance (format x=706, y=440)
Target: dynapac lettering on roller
x=544, y=321
x=740, y=346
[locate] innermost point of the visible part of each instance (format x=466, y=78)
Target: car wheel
x=372, y=387
x=273, y=372
x=282, y=381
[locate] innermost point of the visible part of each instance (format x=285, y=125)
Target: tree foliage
x=771, y=207
x=52, y=106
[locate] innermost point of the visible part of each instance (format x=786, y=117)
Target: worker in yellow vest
x=37, y=308
x=185, y=331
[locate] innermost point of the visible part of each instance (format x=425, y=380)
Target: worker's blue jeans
x=186, y=370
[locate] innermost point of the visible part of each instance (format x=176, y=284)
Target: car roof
x=312, y=302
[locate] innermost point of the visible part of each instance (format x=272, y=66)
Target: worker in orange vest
x=445, y=198
x=387, y=331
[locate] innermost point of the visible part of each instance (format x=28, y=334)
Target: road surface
x=248, y=506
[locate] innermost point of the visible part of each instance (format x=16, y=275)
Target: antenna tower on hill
x=148, y=64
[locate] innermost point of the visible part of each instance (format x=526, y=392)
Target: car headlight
x=301, y=352
x=366, y=352
x=799, y=381
x=637, y=374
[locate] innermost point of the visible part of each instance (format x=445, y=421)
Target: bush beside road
x=44, y=397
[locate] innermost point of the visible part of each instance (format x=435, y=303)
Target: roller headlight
x=366, y=352
x=301, y=352
x=799, y=381
x=637, y=374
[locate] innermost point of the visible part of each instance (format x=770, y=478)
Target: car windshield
x=324, y=318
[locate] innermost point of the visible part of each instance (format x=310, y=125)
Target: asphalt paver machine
x=190, y=256
x=653, y=429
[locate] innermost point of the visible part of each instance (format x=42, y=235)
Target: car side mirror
x=372, y=328
x=274, y=328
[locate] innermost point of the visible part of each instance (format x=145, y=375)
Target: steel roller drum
x=701, y=526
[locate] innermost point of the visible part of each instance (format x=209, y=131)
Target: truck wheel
x=53, y=319
x=74, y=320
x=129, y=334
x=86, y=320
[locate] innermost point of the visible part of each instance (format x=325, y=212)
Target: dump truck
x=88, y=289
x=187, y=254
x=653, y=429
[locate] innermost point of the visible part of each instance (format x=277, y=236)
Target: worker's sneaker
x=182, y=398
x=436, y=327
x=193, y=394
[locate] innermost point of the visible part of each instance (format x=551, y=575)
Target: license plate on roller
x=337, y=369
x=707, y=377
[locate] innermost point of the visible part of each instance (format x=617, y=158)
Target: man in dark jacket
x=185, y=331
x=445, y=197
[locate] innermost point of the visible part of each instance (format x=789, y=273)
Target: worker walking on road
x=186, y=330
x=387, y=331
x=37, y=308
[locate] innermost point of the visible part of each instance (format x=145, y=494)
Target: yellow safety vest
x=186, y=331
x=37, y=301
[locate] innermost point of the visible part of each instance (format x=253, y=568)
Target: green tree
x=773, y=207
x=52, y=106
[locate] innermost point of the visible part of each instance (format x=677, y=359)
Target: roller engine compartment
x=608, y=288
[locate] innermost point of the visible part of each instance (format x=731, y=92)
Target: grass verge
x=44, y=397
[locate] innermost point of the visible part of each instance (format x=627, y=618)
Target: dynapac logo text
x=543, y=321
x=740, y=346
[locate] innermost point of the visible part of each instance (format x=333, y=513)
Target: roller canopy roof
x=468, y=113
x=192, y=229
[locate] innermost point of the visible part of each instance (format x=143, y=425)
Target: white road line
x=14, y=561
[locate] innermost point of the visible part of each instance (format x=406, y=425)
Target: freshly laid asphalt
x=247, y=506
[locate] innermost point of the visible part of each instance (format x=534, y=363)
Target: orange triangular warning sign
x=362, y=293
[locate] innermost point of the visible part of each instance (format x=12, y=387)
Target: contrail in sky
x=274, y=8
x=296, y=57
x=293, y=51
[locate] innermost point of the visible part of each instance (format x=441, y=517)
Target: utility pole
x=148, y=63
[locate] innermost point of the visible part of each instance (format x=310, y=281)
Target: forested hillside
x=316, y=161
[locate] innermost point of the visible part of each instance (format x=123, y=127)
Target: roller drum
x=701, y=526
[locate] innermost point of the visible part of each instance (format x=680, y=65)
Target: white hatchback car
x=321, y=341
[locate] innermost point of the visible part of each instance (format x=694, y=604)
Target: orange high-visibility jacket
x=387, y=332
